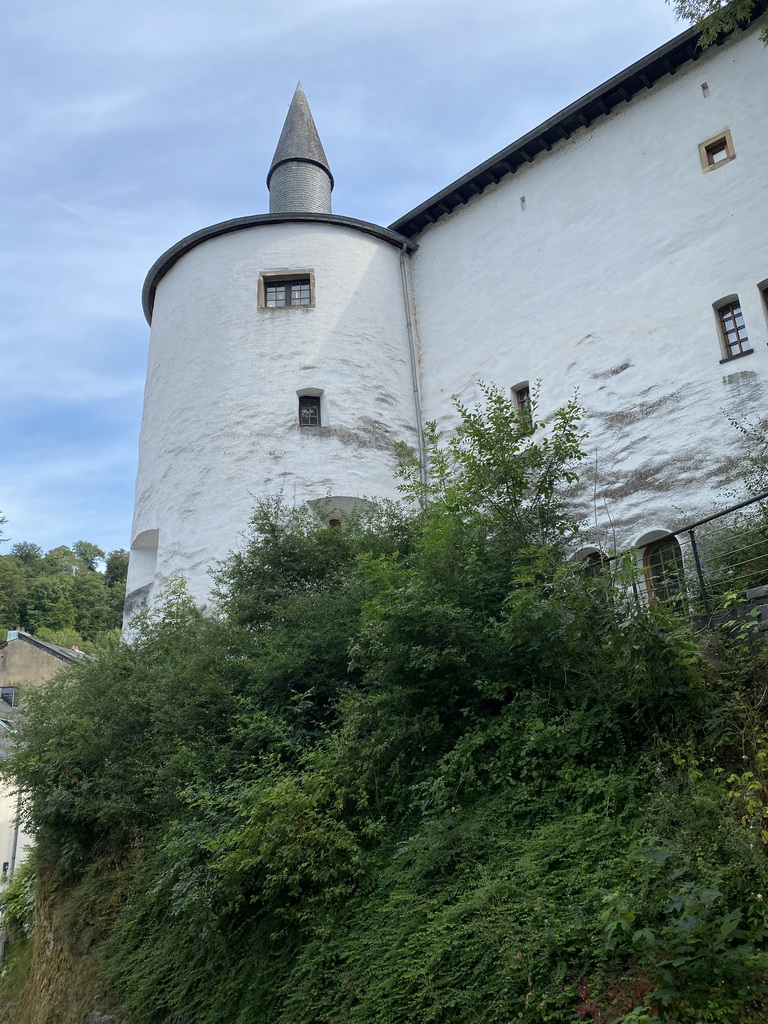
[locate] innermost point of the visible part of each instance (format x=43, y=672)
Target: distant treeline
x=65, y=595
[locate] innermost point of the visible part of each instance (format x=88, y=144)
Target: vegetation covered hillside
x=420, y=769
x=66, y=595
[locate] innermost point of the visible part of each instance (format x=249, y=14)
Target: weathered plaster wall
x=604, y=280
x=220, y=425
x=23, y=665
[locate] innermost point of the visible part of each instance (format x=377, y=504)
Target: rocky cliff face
x=64, y=984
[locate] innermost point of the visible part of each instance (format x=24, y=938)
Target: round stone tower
x=281, y=360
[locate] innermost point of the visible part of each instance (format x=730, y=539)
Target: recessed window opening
x=522, y=394
x=663, y=565
x=733, y=328
x=309, y=411
x=716, y=151
x=763, y=287
x=335, y=523
x=288, y=293
x=8, y=694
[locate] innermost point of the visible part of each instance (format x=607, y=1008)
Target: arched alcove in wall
x=144, y=558
x=661, y=559
x=335, y=507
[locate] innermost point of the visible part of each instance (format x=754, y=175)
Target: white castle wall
x=605, y=281
x=220, y=425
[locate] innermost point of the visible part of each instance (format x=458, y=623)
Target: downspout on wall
x=414, y=367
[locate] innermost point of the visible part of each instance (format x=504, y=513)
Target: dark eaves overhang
x=600, y=101
x=161, y=267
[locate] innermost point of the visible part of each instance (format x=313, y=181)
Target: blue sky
x=128, y=126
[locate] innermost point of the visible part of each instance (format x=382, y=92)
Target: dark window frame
x=733, y=328
x=292, y=291
x=9, y=691
x=664, y=571
x=309, y=411
x=301, y=279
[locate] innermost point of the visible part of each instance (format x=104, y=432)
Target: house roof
x=601, y=101
x=62, y=653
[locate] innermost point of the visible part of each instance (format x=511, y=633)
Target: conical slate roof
x=299, y=139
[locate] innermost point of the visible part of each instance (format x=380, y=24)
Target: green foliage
x=61, y=591
x=17, y=900
x=716, y=18
x=418, y=767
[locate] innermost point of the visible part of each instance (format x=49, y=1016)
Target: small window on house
x=716, y=151
x=335, y=523
x=8, y=694
x=288, y=293
x=732, y=329
x=663, y=564
x=309, y=411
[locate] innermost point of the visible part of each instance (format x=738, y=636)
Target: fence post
x=699, y=574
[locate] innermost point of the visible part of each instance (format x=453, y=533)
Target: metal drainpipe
x=3, y=925
x=414, y=368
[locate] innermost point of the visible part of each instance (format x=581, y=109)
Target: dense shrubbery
x=420, y=769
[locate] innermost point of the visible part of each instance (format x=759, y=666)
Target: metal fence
x=705, y=565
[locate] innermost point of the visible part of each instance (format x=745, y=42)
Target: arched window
x=663, y=564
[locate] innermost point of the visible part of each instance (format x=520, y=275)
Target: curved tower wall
x=221, y=427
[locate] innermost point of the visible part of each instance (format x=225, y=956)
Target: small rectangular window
x=309, y=411
x=8, y=694
x=733, y=329
x=288, y=293
x=286, y=289
x=523, y=397
x=716, y=151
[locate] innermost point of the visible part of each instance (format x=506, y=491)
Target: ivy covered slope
x=420, y=769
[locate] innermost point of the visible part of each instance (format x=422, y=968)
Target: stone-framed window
x=716, y=151
x=286, y=289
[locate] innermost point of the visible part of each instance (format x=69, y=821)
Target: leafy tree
x=716, y=17
x=116, y=568
x=27, y=552
x=13, y=591
x=88, y=554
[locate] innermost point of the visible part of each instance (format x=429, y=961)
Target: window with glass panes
x=733, y=329
x=663, y=563
x=523, y=397
x=309, y=411
x=288, y=293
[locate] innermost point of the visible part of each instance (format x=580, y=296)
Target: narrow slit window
x=309, y=411
x=733, y=329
